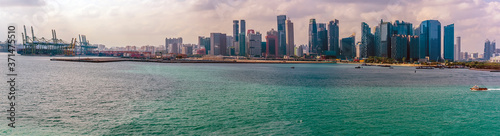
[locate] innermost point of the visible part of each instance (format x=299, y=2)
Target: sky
x=148, y=22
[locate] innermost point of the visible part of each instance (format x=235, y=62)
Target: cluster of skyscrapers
x=401, y=41
x=249, y=43
x=398, y=40
x=324, y=39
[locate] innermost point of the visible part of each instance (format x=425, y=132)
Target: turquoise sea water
x=135, y=98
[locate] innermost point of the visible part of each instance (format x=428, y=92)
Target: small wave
x=494, y=89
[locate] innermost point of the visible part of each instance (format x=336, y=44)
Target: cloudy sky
x=148, y=22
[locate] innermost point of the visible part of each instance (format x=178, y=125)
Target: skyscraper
x=254, y=44
x=243, y=26
x=360, y=50
x=416, y=31
x=322, y=38
x=229, y=41
x=290, y=43
x=376, y=36
x=263, y=48
x=430, y=40
x=449, y=45
x=313, y=37
x=204, y=42
x=367, y=40
x=489, y=49
x=402, y=28
x=282, y=34
x=272, y=43
x=413, y=43
x=300, y=51
x=235, y=30
x=385, y=39
x=348, y=47
x=242, y=42
x=458, y=50
x=333, y=37
x=218, y=44
x=399, y=47
x=173, y=44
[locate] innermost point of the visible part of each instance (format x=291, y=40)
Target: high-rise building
x=360, y=50
x=229, y=41
x=204, y=42
x=243, y=27
x=263, y=48
x=322, y=38
x=430, y=40
x=333, y=37
x=376, y=37
x=272, y=43
x=458, y=50
x=416, y=31
x=464, y=56
x=489, y=49
x=235, y=30
x=385, y=39
x=449, y=45
x=399, y=47
x=367, y=40
x=474, y=55
x=348, y=48
x=313, y=37
x=290, y=43
x=242, y=45
x=493, y=48
x=282, y=34
x=187, y=49
x=300, y=51
x=402, y=28
x=250, y=31
x=218, y=44
x=254, y=44
x=173, y=44
x=413, y=43
x=231, y=51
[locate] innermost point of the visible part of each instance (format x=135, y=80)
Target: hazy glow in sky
x=148, y=22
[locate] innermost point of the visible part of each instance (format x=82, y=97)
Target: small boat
x=292, y=67
x=358, y=67
x=391, y=67
x=422, y=67
x=476, y=88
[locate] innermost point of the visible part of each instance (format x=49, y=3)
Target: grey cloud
x=22, y=3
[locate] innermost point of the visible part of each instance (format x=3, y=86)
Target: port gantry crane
x=41, y=46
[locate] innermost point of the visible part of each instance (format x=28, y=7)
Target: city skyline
x=121, y=23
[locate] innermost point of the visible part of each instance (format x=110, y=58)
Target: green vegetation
x=475, y=64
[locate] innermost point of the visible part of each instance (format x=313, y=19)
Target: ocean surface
x=137, y=98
